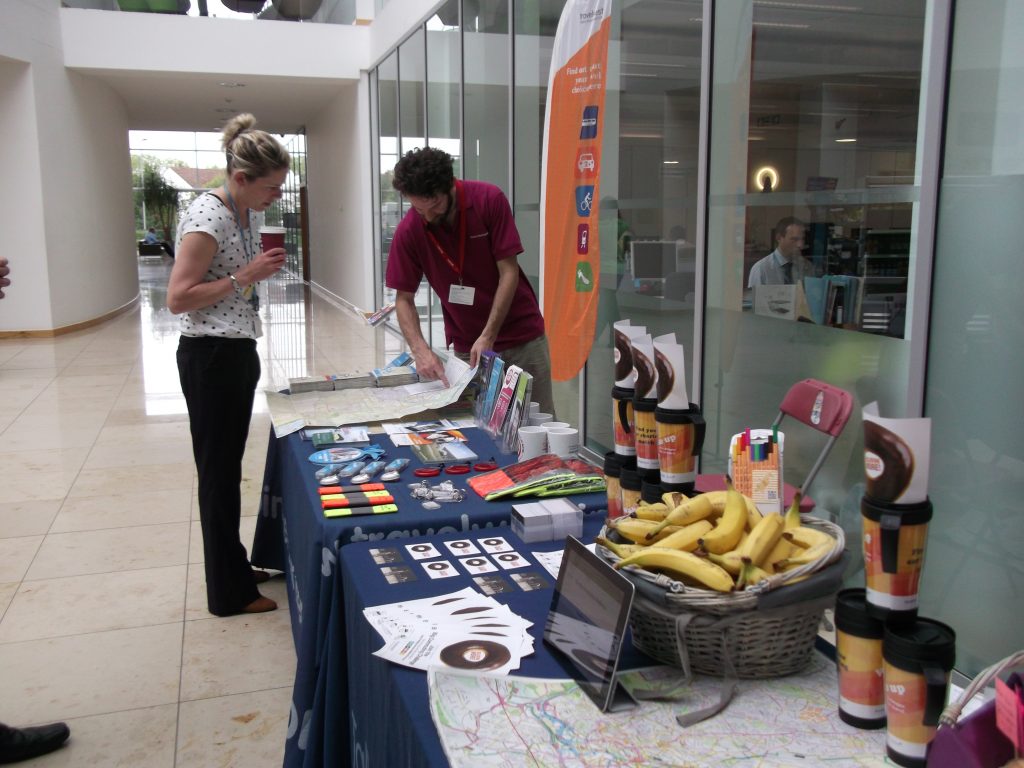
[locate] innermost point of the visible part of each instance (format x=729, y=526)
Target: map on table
x=290, y=413
x=511, y=722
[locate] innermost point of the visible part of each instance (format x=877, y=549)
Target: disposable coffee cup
x=894, y=546
x=271, y=237
x=556, y=425
x=917, y=659
x=533, y=442
x=859, y=661
x=534, y=407
x=538, y=418
x=563, y=441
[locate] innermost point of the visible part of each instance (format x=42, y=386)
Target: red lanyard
x=460, y=201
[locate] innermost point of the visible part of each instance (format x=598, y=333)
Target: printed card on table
x=422, y=551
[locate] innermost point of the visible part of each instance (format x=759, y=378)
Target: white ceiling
x=173, y=101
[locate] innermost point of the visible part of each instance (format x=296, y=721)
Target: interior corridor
x=103, y=619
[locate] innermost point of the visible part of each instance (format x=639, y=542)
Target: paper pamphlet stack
x=394, y=376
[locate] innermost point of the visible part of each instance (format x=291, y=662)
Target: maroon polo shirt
x=491, y=235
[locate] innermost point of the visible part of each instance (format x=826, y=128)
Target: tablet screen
x=588, y=619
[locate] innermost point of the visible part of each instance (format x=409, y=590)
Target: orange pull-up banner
x=570, y=249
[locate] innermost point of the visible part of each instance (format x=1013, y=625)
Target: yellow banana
x=686, y=538
x=637, y=530
x=730, y=561
x=782, y=550
x=655, y=512
x=717, y=499
x=682, y=565
x=764, y=536
x=805, y=556
x=690, y=511
x=750, y=574
x=622, y=550
x=727, y=532
x=806, y=538
x=793, y=513
x=673, y=499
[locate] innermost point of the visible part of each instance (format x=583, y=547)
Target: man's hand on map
x=429, y=367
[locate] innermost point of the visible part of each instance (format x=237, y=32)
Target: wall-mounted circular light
x=766, y=178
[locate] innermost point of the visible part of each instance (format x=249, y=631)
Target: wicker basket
x=767, y=630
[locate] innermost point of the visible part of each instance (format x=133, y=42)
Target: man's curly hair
x=423, y=173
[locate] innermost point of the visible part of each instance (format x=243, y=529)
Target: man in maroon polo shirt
x=461, y=236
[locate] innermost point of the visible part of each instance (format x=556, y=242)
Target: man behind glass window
x=785, y=265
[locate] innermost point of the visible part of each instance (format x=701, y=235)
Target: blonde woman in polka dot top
x=212, y=285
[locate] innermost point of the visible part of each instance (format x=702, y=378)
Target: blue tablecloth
x=293, y=536
x=390, y=722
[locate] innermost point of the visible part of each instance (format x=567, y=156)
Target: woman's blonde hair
x=255, y=153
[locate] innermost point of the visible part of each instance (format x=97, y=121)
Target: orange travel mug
x=894, y=545
x=859, y=661
x=622, y=421
x=646, y=433
x=680, y=436
x=917, y=659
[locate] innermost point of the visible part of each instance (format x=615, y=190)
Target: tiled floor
x=103, y=619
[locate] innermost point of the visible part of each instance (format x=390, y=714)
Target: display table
x=293, y=536
x=390, y=724
x=784, y=721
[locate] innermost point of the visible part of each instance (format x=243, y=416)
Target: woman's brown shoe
x=260, y=605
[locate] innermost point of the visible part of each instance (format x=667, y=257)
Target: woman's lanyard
x=460, y=201
x=249, y=292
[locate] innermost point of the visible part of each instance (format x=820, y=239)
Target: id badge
x=461, y=294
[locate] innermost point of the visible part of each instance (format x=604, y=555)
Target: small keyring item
x=457, y=469
x=427, y=471
x=485, y=466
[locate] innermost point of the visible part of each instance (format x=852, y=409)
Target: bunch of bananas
x=716, y=540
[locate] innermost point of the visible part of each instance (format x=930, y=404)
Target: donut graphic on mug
x=666, y=375
x=888, y=463
x=623, y=356
x=645, y=373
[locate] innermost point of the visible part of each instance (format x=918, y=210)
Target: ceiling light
x=670, y=162
x=845, y=141
x=231, y=85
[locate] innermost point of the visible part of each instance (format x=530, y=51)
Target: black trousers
x=218, y=378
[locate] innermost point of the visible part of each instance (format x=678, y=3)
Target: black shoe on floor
x=17, y=744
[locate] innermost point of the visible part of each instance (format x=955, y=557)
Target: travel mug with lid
x=859, y=661
x=894, y=546
x=612, y=468
x=631, y=484
x=622, y=421
x=680, y=436
x=645, y=433
x=917, y=659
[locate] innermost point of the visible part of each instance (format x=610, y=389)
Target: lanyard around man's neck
x=460, y=210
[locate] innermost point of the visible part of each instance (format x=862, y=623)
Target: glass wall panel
x=534, y=37
x=411, y=77
x=974, y=569
x=814, y=116
x=390, y=204
x=486, y=150
x=648, y=214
